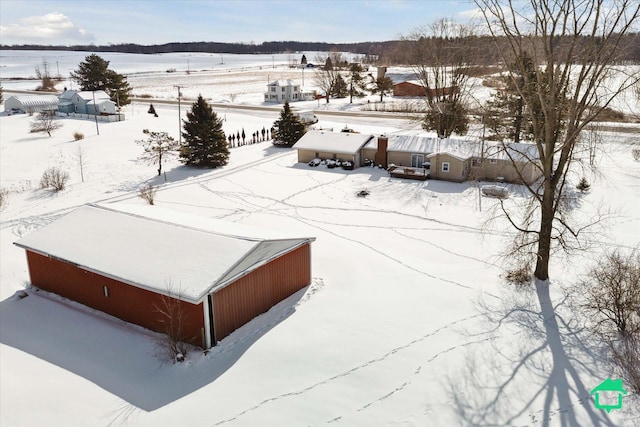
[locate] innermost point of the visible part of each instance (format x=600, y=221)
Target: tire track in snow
x=356, y=369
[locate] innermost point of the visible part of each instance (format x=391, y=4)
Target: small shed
x=343, y=146
x=31, y=103
x=130, y=262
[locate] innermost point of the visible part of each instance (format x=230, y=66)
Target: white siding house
x=82, y=102
x=283, y=90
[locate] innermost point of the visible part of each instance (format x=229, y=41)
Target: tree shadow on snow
x=535, y=371
x=122, y=358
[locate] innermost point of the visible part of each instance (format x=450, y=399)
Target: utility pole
x=179, y=124
x=95, y=112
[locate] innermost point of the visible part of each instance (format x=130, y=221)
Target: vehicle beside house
x=306, y=116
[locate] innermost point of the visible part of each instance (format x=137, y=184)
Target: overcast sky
x=68, y=22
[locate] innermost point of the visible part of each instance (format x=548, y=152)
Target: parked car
x=498, y=191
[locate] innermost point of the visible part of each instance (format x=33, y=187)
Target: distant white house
x=31, y=103
x=283, y=90
x=86, y=102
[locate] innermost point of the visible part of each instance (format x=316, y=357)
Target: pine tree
x=288, y=129
x=583, y=185
x=340, y=88
x=205, y=144
x=383, y=86
x=356, y=82
x=94, y=74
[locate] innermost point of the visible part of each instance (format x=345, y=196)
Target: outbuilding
x=129, y=262
x=31, y=103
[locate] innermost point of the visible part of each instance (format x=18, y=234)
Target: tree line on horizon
x=382, y=52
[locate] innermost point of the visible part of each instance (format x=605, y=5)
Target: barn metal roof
x=36, y=100
x=165, y=252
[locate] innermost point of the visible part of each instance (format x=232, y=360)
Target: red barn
x=130, y=263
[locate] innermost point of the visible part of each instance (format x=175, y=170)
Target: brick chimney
x=381, y=153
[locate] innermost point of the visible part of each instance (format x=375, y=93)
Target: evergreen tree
x=383, y=86
x=94, y=74
x=356, y=82
x=205, y=144
x=1, y=94
x=507, y=117
x=340, y=88
x=303, y=61
x=288, y=129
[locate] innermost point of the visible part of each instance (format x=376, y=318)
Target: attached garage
x=131, y=261
x=332, y=145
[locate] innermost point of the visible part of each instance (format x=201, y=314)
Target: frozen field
x=407, y=321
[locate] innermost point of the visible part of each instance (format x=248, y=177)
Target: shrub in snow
x=519, y=275
x=363, y=193
x=77, y=136
x=583, y=185
x=54, y=179
x=636, y=154
x=147, y=193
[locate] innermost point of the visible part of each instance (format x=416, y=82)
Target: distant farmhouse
x=286, y=90
x=86, y=102
x=70, y=102
x=31, y=103
x=419, y=157
x=218, y=275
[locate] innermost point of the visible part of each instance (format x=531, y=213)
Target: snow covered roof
x=87, y=95
x=333, y=142
x=35, y=100
x=158, y=250
x=457, y=147
x=282, y=82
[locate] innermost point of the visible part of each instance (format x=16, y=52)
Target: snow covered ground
x=407, y=322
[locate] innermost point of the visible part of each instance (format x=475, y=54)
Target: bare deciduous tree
x=173, y=318
x=81, y=159
x=42, y=73
x=328, y=75
x=441, y=62
x=574, y=45
x=45, y=122
x=157, y=147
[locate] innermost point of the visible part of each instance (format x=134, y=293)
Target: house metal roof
x=158, y=250
x=333, y=142
x=458, y=147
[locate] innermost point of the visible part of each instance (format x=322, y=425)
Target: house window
x=493, y=161
x=105, y=291
x=445, y=167
x=273, y=89
x=474, y=163
x=283, y=89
